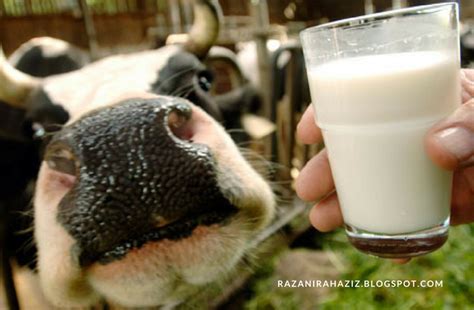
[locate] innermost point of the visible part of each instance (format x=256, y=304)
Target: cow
x=45, y=56
x=141, y=198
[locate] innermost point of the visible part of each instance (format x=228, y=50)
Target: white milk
x=374, y=112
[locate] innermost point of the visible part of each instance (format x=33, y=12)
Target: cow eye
x=61, y=159
x=205, y=80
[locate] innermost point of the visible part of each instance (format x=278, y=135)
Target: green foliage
x=453, y=264
x=268, y=297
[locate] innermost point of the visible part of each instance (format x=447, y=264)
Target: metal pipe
x=175, y=16
x=90, y=29
x=259, y=10
x=187, y=14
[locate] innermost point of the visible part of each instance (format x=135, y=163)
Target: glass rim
x=358, y=20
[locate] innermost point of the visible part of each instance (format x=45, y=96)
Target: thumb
x=450, y=143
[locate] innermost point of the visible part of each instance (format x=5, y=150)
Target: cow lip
x=175, y=230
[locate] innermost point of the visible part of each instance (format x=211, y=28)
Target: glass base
x=399, y=246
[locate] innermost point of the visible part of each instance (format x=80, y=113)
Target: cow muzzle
x=136, y=176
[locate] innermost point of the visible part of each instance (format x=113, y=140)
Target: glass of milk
x=378, y=83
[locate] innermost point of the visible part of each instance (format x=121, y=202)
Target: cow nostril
x=160, y=221
x=180, y=125
x=60, y=158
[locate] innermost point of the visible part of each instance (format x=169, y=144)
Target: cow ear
x=205, y=28
x=15, y=86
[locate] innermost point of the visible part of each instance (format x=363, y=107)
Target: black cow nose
x=137, y=181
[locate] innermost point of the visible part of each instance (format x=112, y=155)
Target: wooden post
x=90, y=29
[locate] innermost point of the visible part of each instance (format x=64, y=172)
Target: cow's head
x=141, y=198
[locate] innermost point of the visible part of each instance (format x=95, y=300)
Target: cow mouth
x=175, y=230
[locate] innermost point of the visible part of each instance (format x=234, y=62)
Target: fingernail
x=459, y=141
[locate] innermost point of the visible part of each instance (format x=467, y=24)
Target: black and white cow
x=142, y=198
x=45, y=56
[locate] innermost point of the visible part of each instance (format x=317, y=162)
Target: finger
x=307, y=132
x=462, y=205
x=400, y=261
x=326, y=215
x=467, y=82
x=315, y=179
x=450, y=143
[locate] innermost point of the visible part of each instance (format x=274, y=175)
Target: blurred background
x=261, y=37
x=108, y=26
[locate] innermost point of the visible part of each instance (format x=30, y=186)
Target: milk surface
x=374, y=112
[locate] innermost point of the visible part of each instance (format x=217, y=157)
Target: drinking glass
x=378, y=83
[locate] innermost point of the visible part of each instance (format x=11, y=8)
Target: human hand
x=449, y=143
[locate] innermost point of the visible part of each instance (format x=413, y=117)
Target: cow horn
x=15, y=86
x=205, y=29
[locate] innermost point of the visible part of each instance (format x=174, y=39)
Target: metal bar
x=259, y=10
x=175, y=16
x=261, y=21
x=297, y=208
x=90, y=29
x=187, y=14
